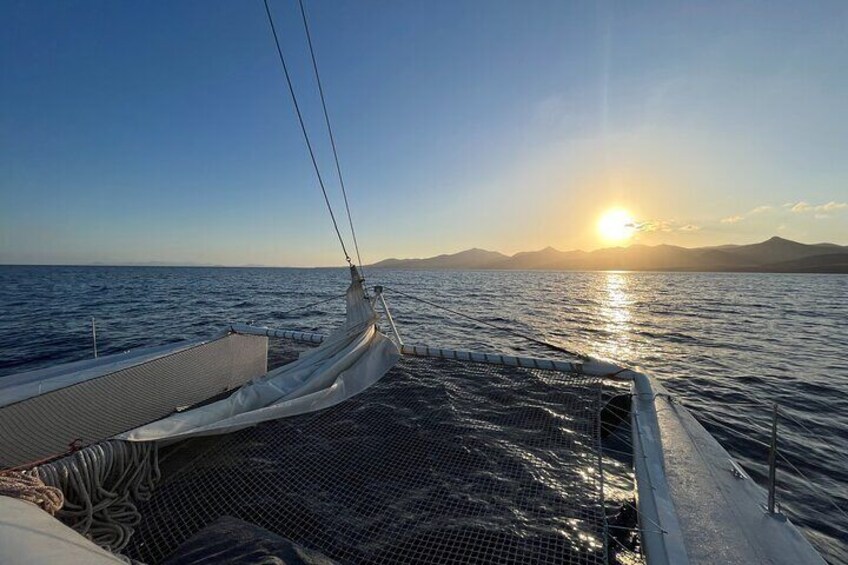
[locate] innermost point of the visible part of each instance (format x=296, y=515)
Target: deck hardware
x=378, y=291
x=737, y=471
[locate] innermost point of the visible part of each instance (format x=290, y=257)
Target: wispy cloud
x=800, y=207
x=654, y=225
x=821, y=210
x=665, y=226
x=739, y=217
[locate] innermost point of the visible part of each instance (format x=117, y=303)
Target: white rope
x=102, y=484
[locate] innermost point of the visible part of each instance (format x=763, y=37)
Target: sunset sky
x=162, y=131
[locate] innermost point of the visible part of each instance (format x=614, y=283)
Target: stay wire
x=809, y=482
x=303, y=129
x=491, y=325
x=332, y=137
x=318, y=303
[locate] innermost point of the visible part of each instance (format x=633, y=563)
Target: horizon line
x=166, y=264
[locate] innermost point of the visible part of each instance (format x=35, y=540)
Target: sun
x=616, y=225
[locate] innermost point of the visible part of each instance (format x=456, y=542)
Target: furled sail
x=350, y=359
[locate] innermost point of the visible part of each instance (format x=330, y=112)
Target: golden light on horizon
x=616, y=225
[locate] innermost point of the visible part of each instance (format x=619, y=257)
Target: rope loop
x=102, y=484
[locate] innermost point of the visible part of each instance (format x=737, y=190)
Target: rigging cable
x=304, y=307
x=303, y=129
x=510, y=331
x=330, y=132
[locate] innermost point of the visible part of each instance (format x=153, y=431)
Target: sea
x=727, y=345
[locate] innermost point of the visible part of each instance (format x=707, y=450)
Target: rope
x=25, y=486
x=786, y=415
x=491, y=325
x=829, y=497
x=330, y=132
x=287, y=312
x=809, y=482
x=102, y=484
x=303, y=129
x=825, y=494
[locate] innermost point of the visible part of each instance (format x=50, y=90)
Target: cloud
x=739, y=217
x=665, y=226
x=654, y=225
x=835, y=206
x=643, y=226
x=822, y=209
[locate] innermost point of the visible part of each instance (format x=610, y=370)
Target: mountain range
x=776, y=255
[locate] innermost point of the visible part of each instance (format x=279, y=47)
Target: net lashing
x=441, y=461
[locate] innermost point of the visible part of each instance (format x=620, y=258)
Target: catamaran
x=360, y=448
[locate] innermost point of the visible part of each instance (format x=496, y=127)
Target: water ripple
x=726, y=344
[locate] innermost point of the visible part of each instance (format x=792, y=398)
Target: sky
x=134, y=132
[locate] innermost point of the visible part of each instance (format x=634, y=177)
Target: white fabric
x=28, y=534
x=349, y=360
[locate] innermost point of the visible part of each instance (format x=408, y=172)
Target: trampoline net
x=439, y=462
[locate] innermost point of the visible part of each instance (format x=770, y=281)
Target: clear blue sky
x=161, y=131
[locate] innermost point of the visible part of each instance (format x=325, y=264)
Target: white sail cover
x=350, y=359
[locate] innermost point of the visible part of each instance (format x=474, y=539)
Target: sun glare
x=616, y=225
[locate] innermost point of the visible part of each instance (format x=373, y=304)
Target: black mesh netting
x=439, y=462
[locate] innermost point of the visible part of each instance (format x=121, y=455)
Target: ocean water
x=727, y=345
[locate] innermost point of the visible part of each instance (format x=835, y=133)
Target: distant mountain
x=468, y=259
x=830, y=263
x=778, y=250
x=547, y=258
x=773, y=255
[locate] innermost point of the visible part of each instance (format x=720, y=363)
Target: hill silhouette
x=773, y=255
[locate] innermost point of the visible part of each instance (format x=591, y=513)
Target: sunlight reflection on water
x=614, y=311
x=722, y=342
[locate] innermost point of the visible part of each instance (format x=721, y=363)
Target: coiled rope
x=102, y=484
x=25, y=485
